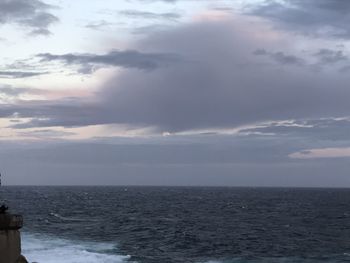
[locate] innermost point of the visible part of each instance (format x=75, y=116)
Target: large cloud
x=221, y=84
x=31, y=14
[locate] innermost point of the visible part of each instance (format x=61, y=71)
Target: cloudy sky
x=175, y=92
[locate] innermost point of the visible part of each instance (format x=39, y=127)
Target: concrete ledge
x=10, y=222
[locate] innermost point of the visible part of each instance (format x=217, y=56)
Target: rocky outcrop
x=22, y=259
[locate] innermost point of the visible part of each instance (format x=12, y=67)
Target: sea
x=182, y=224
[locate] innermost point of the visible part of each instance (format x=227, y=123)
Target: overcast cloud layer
x=223, y=94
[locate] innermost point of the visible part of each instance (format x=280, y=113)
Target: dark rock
x=9, y=221
x=22, y=259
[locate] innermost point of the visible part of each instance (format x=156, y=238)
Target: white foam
x=45, y=249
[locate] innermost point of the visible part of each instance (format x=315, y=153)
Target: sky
x=175, y=92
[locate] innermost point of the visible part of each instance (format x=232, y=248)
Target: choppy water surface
x=159, y=224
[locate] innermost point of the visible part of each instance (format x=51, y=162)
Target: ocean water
x=179, y=224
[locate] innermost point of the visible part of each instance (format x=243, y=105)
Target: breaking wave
x=46, y=249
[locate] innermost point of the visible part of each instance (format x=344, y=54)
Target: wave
x=46, y=249
x=63, y=218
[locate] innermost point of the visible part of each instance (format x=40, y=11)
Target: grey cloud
x=77, y=112
x=336, y=130
x=19, y=74
x=280, y=57
x=98, y=25
x=126, y=59
x=150, y=15
x=344, y=69
x=150, y=29
x=30, y=14
x=328, y=56
x=45, y=134
x=260, y=52
x=334, y=59
x=313, y=17
x=9, y=93
x=40, y=31
x=12, y=91
x=223, y=8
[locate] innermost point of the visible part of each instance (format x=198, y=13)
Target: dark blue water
x=164, y=224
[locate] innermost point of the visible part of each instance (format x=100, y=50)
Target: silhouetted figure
x=3, y=209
